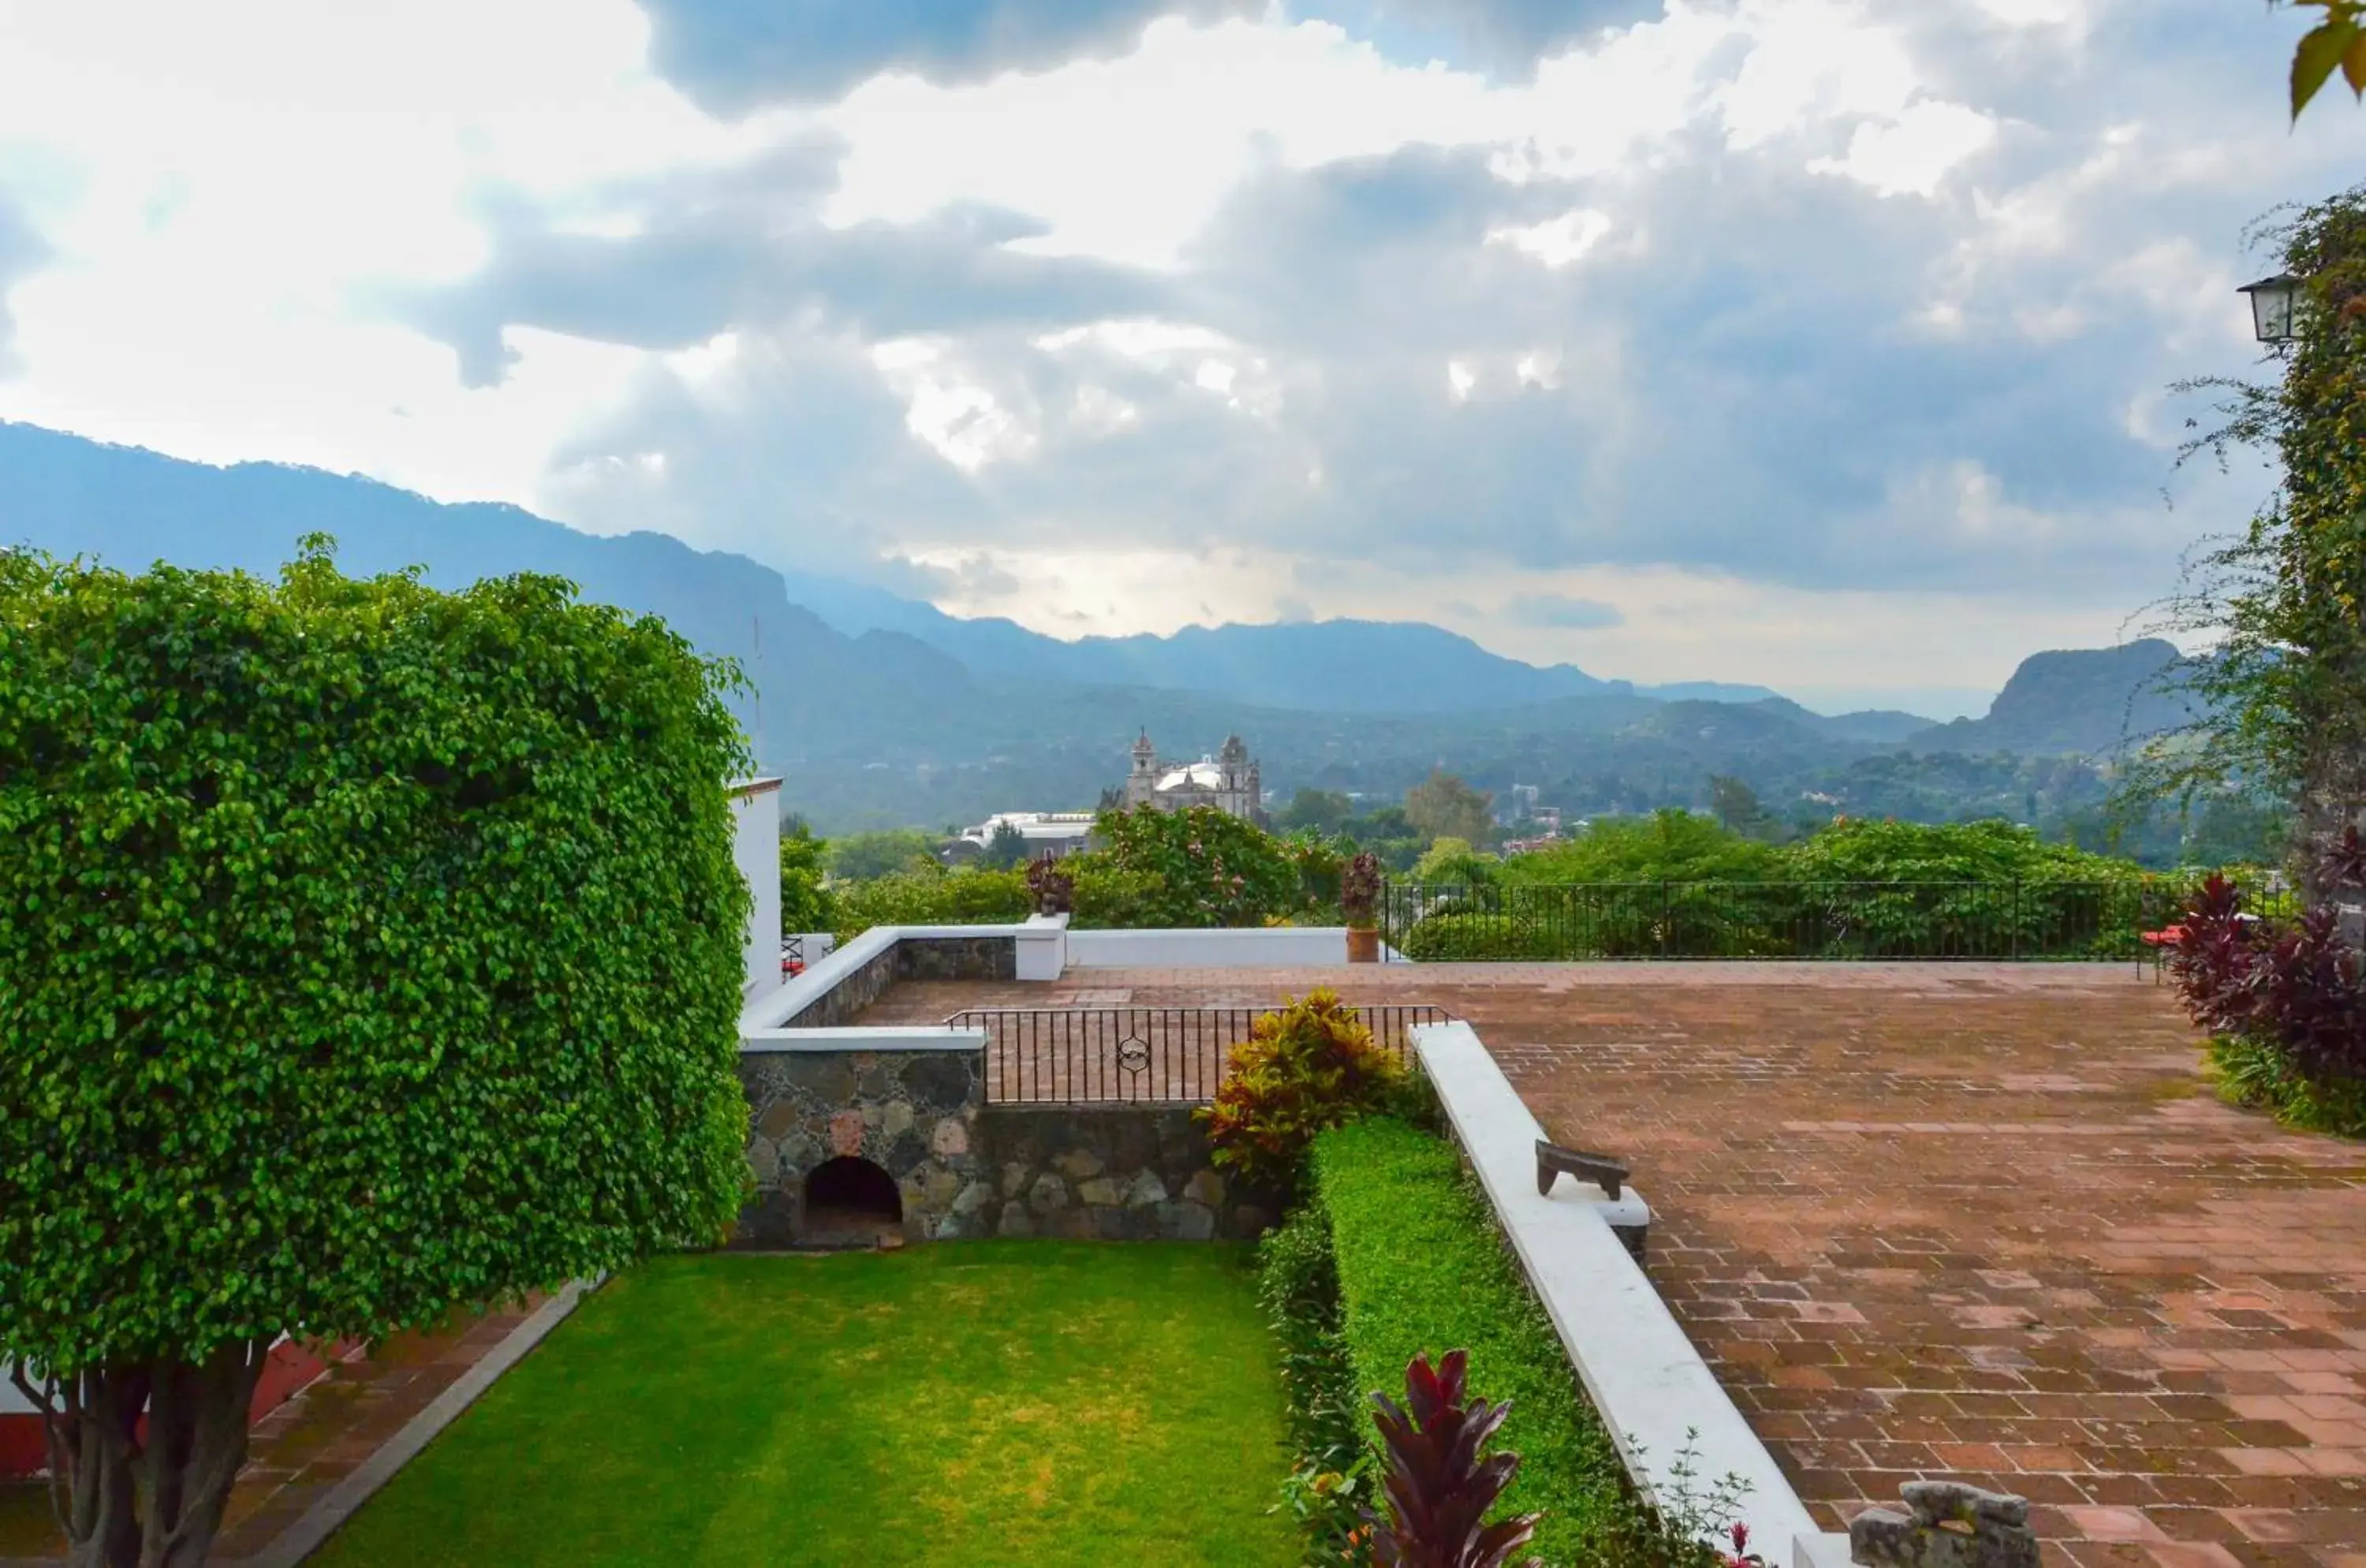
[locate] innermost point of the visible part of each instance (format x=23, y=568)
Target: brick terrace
x=1971, y=1219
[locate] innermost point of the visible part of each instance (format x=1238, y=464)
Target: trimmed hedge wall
x=1420, y=1270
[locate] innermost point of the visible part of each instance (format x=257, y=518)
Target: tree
x=371, y=952
x=1737, y=805
x=1443, y=806
x=2339, y=42
x=1321, y=809
x=2283, y=699
x=1210, y=867
x=807, y=904
x=1005, y=849
x=858, y=857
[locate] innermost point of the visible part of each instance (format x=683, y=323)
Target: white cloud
x=1557, y=241
x=1911, y=153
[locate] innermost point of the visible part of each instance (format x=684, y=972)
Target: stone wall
x=913, y=1113
x=1111, y=1172
x=909, y=958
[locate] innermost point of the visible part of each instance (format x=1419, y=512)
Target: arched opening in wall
x=852, y=1201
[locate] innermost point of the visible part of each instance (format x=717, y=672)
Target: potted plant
x=1359, y=901
x=1052, y=889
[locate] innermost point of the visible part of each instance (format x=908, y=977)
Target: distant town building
x=1055, y=835
x=1227, y=781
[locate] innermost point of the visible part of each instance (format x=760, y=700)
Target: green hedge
x=1420, y=1271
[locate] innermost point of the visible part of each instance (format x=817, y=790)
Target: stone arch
x=852, y=1198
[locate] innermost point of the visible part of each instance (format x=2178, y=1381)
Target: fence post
x=2016, y=916
x=1664, y=917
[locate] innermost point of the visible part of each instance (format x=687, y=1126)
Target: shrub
x=1454, y=863
x=1052, y=889
x=1441, y=1483
x=1311, y=1066
x=967, y=897
x=807, y=902
x=1213, y=868
x=1470, y=937
x=1331, y=1467
x=1111, y=900
x=2254, y=1073
x=1420, y=1271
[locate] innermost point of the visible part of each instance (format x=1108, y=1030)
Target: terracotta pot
x=1363, y=945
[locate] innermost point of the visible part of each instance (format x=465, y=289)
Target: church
x=1227, y=781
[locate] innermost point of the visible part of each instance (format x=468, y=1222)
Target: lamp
x=2273, y=301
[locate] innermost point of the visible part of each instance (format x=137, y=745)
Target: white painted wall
x=756, y=851
x=1278, y=947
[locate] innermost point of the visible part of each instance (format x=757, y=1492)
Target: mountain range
x=880, y=710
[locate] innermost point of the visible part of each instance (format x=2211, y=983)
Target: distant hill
x=1348, y=666
x=879, y=710
x=2087, y=701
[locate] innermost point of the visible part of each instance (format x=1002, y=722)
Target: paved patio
x=1979, y=1221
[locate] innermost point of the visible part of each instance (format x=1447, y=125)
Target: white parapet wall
x=1651, y=1388
x=1270, y=947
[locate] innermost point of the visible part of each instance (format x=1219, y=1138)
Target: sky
x=1821, y=344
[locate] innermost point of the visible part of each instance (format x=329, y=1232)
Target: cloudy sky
x=1819, y=342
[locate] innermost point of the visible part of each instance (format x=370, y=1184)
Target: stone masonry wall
x=913, y=1113
x=1110, y=1172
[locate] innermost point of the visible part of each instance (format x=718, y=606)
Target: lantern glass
x=2272, y=302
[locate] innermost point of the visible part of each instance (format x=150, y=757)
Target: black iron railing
x=2013, y=921
x=1149, y=1055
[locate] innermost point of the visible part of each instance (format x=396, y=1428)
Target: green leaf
x=2321, y=50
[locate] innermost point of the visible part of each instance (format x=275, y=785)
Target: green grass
x=1035, y=1403
x=2254, y=1074
x=1421, y=1272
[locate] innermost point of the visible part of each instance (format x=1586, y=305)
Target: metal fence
x=1147, y=1055
x=2011, y=920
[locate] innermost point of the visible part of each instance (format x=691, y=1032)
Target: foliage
x=2284, y=1005
x=1443, y=806
x=1320, y=862
x=1419, y=1271
x=859, y=857
x=1474, y=938
x=2339, y=42
x=1213, y=869
x=970, y=897
x=1323, y=810
x=1006, y=848
x=1332, y=1468
x=1311, y=1066
x=2283, y=698
x=1962, y=852
x=1052, y=889
x=1454, y=860
x=1666, y=846
x=371, y=950
x=1440, y=1481
x=1057, y=1404
x=808, y=903
x=1109, y=899
x=2254, y=1073
x=1737, y=805
x=1359, y=891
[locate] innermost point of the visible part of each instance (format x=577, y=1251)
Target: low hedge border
x=1415, y=1268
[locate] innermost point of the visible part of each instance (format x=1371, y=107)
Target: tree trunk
x=128, y=1503
x=197, y=1443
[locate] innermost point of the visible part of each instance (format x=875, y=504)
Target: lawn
x=1039, y=1403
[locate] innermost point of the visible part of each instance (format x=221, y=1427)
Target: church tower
x=1141, y=783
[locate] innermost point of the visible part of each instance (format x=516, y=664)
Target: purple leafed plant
x=2215, y=958
x=1439, y=1485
